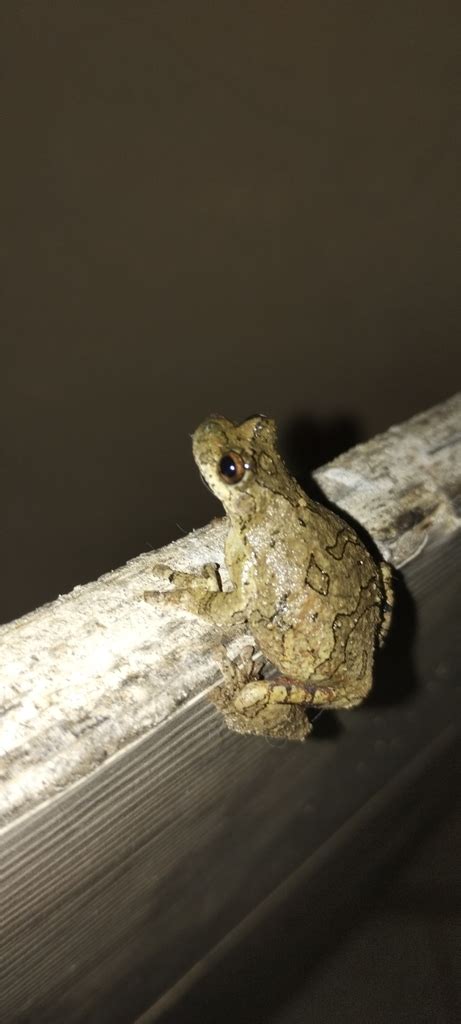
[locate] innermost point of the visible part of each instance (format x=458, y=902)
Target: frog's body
x=313, y=598
x=312, y=595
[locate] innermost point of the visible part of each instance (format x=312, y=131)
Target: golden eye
x=232, y=468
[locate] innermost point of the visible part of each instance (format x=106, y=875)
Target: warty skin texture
x=312, y=595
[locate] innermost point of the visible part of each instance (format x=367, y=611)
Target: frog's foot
x=262, y=718
x=264, y=692
x=191, y=591
x=388, y=603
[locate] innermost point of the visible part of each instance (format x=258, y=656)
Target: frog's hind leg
x=262, y=718
x=388, y=603
x=344, y=694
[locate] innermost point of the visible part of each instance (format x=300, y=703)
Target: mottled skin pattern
x=312, y=595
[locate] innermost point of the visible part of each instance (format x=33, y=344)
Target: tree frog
x=303, y=583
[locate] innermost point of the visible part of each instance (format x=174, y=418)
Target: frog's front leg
x=200, y=593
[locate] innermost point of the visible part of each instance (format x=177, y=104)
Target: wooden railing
x=141, y=839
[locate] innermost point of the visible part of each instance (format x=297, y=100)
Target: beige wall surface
x=211, y=207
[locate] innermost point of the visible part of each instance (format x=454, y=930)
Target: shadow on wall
x=307, y=443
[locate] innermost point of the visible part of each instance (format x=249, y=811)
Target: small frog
x=309, y=591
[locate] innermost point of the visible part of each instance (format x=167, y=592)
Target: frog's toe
x=162, y=571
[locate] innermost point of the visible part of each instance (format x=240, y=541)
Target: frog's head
x=238, y=461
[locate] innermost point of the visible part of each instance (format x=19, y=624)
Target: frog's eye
x=232, y=468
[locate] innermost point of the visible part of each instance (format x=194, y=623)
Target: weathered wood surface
x=86, y=675
x=139, y=832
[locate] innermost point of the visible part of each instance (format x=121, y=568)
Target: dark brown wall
x=207, y=206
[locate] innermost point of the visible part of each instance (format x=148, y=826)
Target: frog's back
x=317, y=594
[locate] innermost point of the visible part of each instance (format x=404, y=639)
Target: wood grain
x=137, y=831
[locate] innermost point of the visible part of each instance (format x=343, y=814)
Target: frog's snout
x=209, y=439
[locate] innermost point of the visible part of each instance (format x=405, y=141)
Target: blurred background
x=208, y=207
